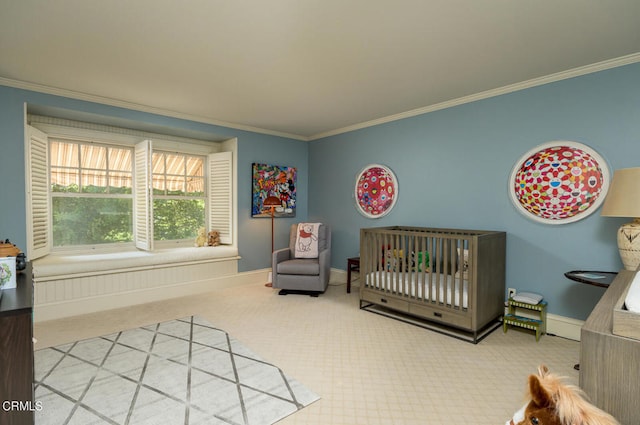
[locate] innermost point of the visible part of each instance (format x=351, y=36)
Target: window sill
x=56, y=265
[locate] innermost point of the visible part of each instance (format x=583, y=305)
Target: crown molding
x=575, y=72
x=40, y=88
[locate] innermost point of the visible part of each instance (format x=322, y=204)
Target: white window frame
x=185, y=195
x=220, y=178
x=81, y=194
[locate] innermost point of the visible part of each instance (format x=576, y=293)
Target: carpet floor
x=183, y=371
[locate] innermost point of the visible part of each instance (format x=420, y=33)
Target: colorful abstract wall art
x=273, y=180
x=376, y=191
x=559, y=182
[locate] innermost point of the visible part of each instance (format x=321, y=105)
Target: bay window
x=114, y=190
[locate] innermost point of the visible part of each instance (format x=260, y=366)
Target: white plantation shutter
x=143, y=203
x=221, y=195
x=38, y=201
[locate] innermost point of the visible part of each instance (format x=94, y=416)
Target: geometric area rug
x=183, y=371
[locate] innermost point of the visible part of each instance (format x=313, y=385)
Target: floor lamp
x=272, y=202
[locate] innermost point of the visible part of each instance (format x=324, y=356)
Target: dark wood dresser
x=609, y=363
x=16, y=352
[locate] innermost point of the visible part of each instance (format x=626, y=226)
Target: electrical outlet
x=511, y=292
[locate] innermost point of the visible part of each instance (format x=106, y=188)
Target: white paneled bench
x=68, y=285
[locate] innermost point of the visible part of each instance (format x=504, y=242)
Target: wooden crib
x=447, y=280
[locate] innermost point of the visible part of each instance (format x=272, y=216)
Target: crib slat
x=396, y=266
x=455, y=261
x=459, y=278
x=385, y=276
x=419, y=268
x=432, y=249
x=438, y=276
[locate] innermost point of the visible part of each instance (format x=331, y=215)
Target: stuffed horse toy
x=551, y=402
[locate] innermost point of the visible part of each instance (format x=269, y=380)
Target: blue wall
x=453, y=166
x=254, y=235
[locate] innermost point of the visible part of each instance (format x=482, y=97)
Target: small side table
x=353, y=263
x=595, y=278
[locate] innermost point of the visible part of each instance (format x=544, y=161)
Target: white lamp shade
x=623, y=198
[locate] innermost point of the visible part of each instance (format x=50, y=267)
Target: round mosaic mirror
x=376, y=191
x=559, y=182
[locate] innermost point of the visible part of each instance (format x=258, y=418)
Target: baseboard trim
x=565, y=327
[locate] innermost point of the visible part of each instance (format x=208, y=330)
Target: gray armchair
x=302, y=275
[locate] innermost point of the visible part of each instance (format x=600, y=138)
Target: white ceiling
x=303, y=68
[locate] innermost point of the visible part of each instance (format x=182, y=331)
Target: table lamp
x=623, y=200
x=272, y=202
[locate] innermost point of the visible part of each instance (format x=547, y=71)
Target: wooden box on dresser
x=16, y=352
x=609, y=363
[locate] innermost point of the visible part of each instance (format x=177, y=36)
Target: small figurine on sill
x=201, y=239
x=214, y=238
